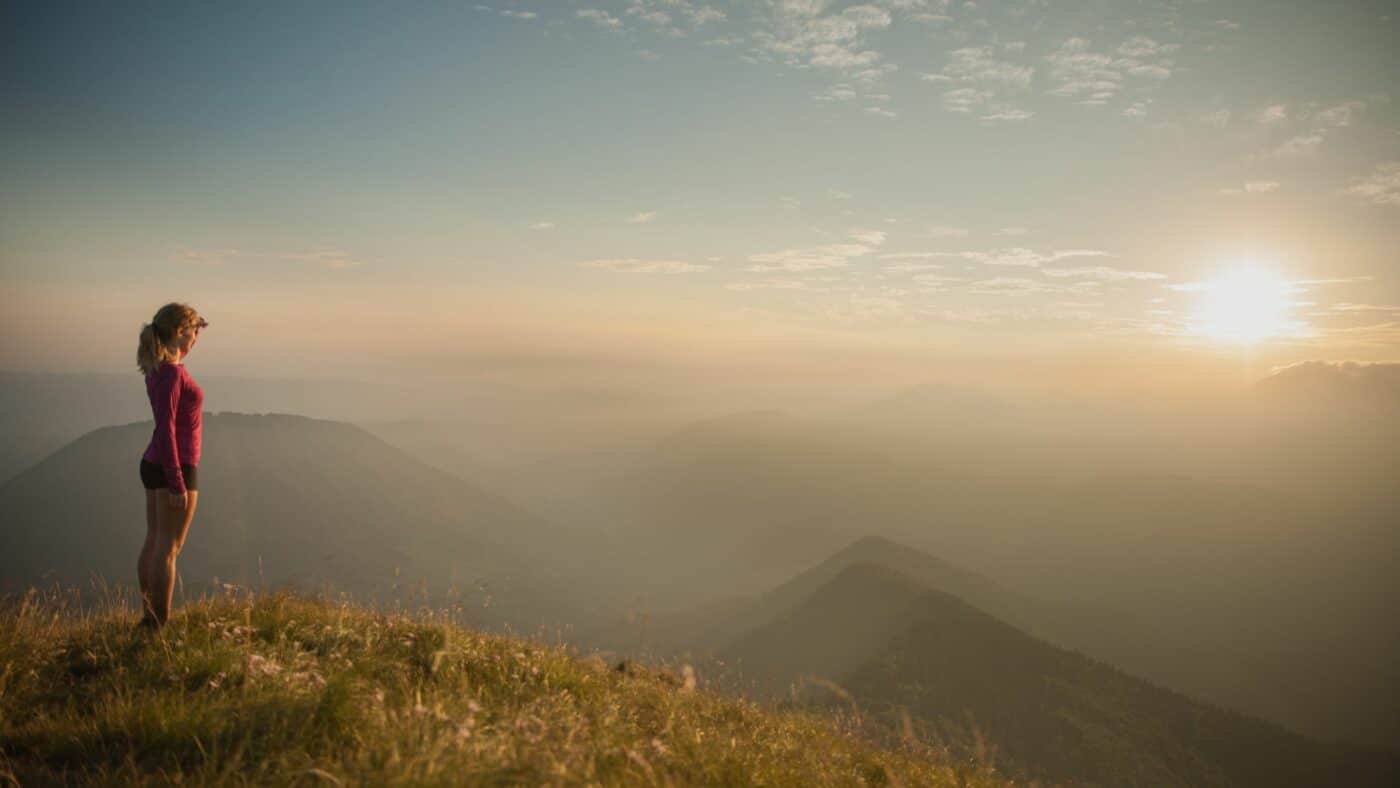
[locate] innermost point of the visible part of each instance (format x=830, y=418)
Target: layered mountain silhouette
x=289, y=500
x=42, y=412
x=897, y=647
x=1234, y=592
x=706, y=630
x=920, y=567
x=1273, y=600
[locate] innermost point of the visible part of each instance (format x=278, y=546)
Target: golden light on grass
x=1245, y=305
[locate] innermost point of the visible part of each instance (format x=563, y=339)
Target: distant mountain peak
x=875, y=548
x=1376, y=383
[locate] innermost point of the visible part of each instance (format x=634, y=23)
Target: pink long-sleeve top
x=177, y=403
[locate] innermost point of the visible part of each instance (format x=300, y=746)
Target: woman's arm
x=165, y=404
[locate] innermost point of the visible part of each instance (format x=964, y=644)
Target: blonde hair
x=154, y=348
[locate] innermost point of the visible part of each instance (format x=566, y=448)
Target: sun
x=1245, y=305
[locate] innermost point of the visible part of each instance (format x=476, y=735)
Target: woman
x=169, y=468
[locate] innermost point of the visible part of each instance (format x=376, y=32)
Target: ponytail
x=151, y=348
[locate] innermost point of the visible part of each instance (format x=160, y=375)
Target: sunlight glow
x=1245, y=305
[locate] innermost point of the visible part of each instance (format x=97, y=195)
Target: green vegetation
x=255, y=689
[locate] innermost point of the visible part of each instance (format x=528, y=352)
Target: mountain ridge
x=1056, y=714
x=290, y=499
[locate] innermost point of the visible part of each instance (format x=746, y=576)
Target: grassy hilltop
x=282, y=689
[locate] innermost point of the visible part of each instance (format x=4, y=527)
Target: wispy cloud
x=1251, y=187
x=523, y=15
x=861, y=306
x=1350, y=307
x=768, y=284
x=1338, y=116
x=1309, y=126
x=904, y=268
x=600, y=18
x=812, y=258
x=869, y=237
x=979, y=64
x=632, y=265
x=1096, y=77
x=837, y=92
x=641, y=217
x=946, y=231
x=1012, y=286
x=1021, y=256
x=966, y=99
x=1294, y=286
x=1137, y=109
x=1336, y=281
x=705, y=14
x=932, y=283
x=1301, y=145
x=542, y=226
x=981, y=78
x=983, y=103
x=907, y=255
x=1082, y=74
x=654, y=17
x=1381, y=187
x=1022, y=287
x=1004, y=115
x=1060, y=311
x=964, y=315
x=802, y=35
x=675, y=18
x=1102, y=272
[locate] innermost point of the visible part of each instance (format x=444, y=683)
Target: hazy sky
x=901, y=189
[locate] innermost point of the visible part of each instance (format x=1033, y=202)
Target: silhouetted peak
x=866, y=574
x=1341, y=382
x=875, y=549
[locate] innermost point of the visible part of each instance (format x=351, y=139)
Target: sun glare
x=1245, y=305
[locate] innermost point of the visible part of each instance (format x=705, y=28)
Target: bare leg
x=144, y=569
x=172, y=527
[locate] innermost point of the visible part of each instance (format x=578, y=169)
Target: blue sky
x=666, y=179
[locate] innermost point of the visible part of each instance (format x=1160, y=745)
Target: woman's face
x=185, y=339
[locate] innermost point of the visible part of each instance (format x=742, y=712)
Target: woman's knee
x=169, y=521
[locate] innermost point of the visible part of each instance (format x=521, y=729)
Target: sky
x=781, y=193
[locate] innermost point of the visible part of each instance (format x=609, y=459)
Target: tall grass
x=250, y=688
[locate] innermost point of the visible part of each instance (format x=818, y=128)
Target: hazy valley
x=856, y=547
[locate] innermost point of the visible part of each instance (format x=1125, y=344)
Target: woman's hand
x=177, y=501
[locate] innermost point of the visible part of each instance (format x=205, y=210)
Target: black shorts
x=153, y=476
